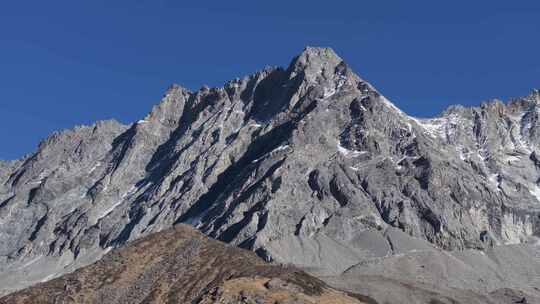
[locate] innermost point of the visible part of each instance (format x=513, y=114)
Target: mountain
x=181, y=265
x=308, y=165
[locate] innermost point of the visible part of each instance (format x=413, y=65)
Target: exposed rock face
x=302, y=165
x=181, y=265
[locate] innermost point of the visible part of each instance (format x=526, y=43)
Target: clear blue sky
x=64, y=63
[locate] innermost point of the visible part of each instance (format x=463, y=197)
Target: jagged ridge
x=292, y=163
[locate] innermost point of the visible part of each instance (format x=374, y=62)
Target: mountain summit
x=308, y=165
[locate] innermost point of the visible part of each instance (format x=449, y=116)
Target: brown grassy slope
x=181, y=265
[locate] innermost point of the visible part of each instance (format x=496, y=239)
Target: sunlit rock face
x=300, y=165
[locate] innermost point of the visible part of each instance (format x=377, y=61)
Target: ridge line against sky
x=71, y=62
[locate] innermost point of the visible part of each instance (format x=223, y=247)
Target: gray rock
x=468, y=276
x=307, y=165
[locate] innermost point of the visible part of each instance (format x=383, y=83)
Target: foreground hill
x=181, y=265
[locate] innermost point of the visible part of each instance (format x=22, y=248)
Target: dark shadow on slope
x=120, y=147
x=232, y=176
x=270, y=97
x=165, y=153
x=236, y=175
x=230, y=233
x=122, y=142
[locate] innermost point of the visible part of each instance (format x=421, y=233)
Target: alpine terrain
x=180, y=265
x=308, y=165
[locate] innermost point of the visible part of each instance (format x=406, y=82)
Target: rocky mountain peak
x=174, y=89
x=307, y=165
x=535, y=94
x=315, y=62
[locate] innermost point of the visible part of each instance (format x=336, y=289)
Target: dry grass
x=256, y=290
x=181, y=265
